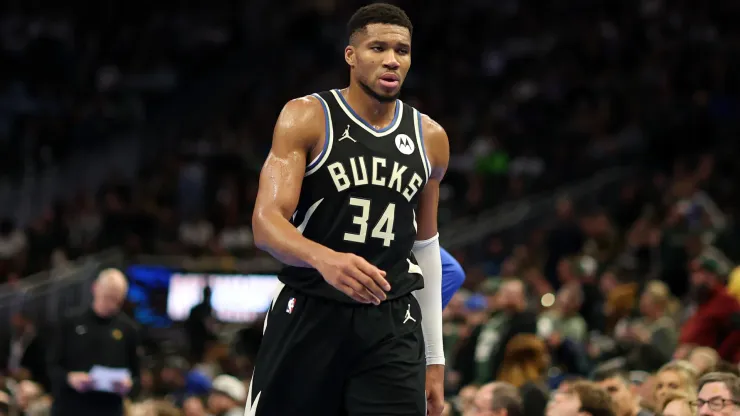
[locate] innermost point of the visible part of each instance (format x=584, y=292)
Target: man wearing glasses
x=719, y=395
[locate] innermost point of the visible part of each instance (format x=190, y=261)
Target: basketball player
x=348, y=191
x=453, y=276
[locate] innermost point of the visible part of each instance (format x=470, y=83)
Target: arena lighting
x=548, y=299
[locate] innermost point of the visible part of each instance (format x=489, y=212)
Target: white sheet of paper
x=104, y=378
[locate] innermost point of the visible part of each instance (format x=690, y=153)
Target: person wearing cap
x=98, y=336
x=711, y=324
x=227, y=397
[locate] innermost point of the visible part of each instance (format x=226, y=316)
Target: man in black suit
x=98, y=336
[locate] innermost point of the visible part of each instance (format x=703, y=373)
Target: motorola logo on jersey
x=406, y=183
x=404, y=144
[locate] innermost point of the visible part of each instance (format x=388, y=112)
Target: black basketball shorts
x=320, y=357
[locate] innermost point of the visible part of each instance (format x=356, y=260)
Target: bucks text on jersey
x=360, y=196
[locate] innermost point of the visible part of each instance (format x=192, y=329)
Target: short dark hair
x=506, y=396
x=731, y=381
x=594, y=399
x=607, y=371
x=382, y=13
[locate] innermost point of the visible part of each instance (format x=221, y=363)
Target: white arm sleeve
x=430, y=298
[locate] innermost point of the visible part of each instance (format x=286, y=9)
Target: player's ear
x=349, y=55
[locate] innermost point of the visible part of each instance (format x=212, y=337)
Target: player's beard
x=381, y=98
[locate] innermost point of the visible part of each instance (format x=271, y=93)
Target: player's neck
x=378, y=113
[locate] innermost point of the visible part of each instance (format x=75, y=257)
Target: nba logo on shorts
x=291, y=305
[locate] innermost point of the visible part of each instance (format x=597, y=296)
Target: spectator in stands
x=580, y=399
x=480, y=357
x=27, y=393
x=29, y=398
x=200, y=326
x=711, y=324
x=719, y=395
x=645, y=390
x=194, y=406
x=650, y=340
x=26, y=351
x=619, y=387
x=568, y=381
x=620, y=292
x=466, y=398
x=525, y=364
x=154, y=408
x=147, y=385
x=677, y=403
x=657, y=327
x=675, y=376
x=228, y=396
x=565, y=239
x=704, y=359
x=566, y=321
x=592, y=308
x=178, y=382
x=499, y=398
x=602, y=240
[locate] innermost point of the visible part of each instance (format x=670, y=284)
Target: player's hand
x=79, y=381
x=354, y=277
x=435, y=390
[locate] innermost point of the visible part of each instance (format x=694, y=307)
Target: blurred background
x=591, y=197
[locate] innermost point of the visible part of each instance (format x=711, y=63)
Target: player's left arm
x=427, y=253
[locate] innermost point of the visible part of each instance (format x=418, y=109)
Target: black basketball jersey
x=360, y=195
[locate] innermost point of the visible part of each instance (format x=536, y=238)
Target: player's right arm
x=298, y=131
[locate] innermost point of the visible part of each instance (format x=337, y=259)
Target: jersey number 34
x=382, y=230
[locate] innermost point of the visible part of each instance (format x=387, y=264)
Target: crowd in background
x=626, y=288
x=540, y=99
x=533, y=94
x=70, y=81
x=73, y=83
